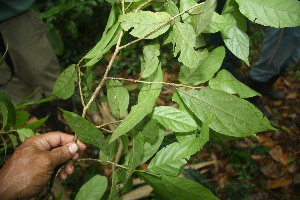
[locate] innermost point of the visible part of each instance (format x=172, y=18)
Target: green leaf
x=170, y=159
x=146, y=101
x=183, y=37
x=205, y=70
x=156, y=183
x=65, y=84
x=226, y=82
x=86, y=131
x=202, y=15
x=151, y=147
x=184, y=5
x=47, y=99
x=174, y=119
x=21, y=118
x=143, y=22
x=231, y=115
x=7, y=110
x=93, y=189
x=217, y=23
x=275, y=13
x=135, y=155
x=103, y=46
x=234, y=36
x=118, y=98
x=24, y=133
x=150, y=60
x=13, y=140
x=185, y=189
x=36, y=124
x=149, y=128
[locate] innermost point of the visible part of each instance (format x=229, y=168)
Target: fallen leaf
x=272, y=184
x=276, y=153
x=270, y=170
x=266, y=141
x=284, y=159
x=292, y=95
x=296, y=179
x=277, y=103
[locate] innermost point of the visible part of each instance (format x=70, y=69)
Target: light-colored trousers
x=34, y=61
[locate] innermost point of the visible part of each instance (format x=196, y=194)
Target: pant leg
x=281, y=47
x=35, y=63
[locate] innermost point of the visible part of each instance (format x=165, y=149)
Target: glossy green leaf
x=231, y=115
x=149, y=128
x=7, y=111
x=36, y=124
x=150, y=60
x=93, y=189
x=86, y=131
x=151, y=147
x=144, y=22
x=146, y=101
x=65, y=84
x=205, y=70
x=217, y=23
x=25, y=133
x=234, y=36
x=118, y=98
x=174, y=119
x=185, y=189
x=226, y=82
x=184, y=40
x=275, y=13
x=202, y=15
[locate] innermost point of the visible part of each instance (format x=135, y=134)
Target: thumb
x=64, y=153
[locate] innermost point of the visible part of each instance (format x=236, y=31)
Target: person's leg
x=35, y=63
x=280, y=48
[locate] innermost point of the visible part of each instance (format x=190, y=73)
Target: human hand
x=31, y=166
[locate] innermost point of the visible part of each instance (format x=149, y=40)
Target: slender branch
x=147, y=82
x=85, y=108
x=79, y=85
x=142, y=5
x=123, y=7
x=161, y=25
x=101, y=161
x=129, y=5
x=119, y=121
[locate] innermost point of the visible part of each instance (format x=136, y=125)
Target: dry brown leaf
x=272, y=184
x=284, y=159
x=276, y=153
x=277, y=103
x=270, y=170
x=266, y=141
x=292, y=95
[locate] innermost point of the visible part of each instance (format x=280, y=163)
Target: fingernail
x=73, y=148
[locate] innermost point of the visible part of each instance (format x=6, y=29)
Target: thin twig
x=148, y=82
x=79, y=85
x=142, y=5
x=109, y=131
x=116, y=122
x=123, y=7
x=161, y=25
x=129, y=5
x=85, y=108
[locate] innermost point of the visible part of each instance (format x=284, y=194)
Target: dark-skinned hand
x=31, y=166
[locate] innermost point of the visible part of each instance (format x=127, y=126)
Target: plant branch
x=79, y=85
x=119, y=121
x=161, y=25
x=86, y=107
x=147, y=82
x=142, y=5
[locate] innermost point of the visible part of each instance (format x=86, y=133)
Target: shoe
x=265, y=88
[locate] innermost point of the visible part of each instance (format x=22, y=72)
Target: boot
x=266, y=89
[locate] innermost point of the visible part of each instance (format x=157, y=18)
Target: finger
x=81, y=145
x=63, y=175
x=76, y=156
x=52, y=139
x=69, y=169
x=62, y=154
